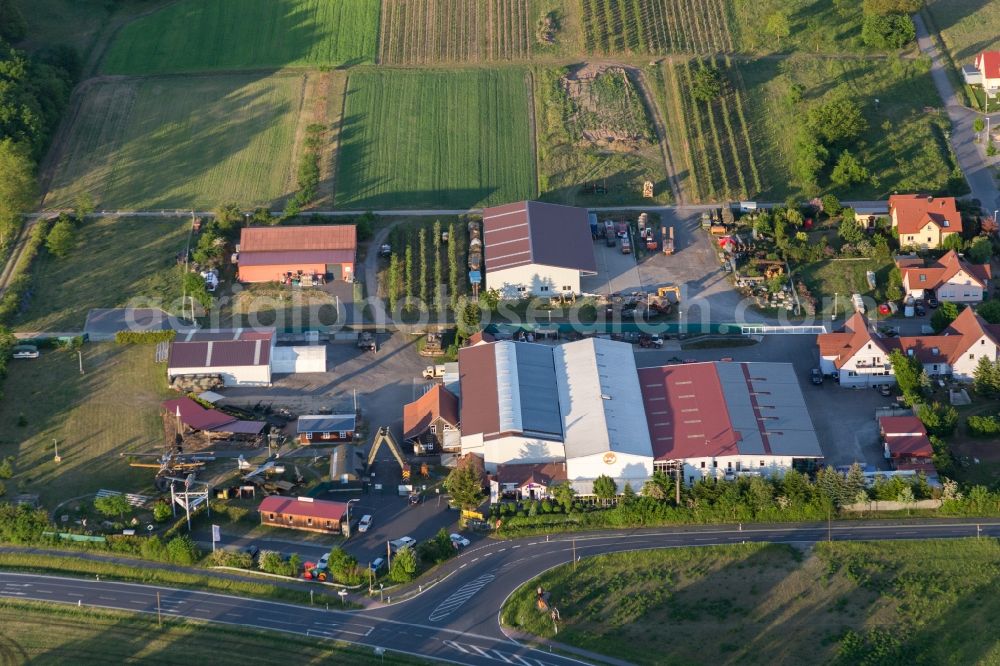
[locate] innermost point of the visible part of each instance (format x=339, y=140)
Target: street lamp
x=347, y=513
x=381, y=598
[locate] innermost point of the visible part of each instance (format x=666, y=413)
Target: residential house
x=949, y=278
x=856, y=355
x=867, y=217
x=274, y=254
x=537, y=249
x=526, y=482
x=988, y=65
x=905, y=443
x=303, y=513
x=860, y=356
x=431, y=423
x=924, y=221
x=326, y=428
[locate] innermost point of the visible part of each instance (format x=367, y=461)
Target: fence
x=762, y=329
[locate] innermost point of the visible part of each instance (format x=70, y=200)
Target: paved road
x=457, y=619
x=971, y=156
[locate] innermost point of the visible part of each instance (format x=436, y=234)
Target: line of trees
x=417, y=266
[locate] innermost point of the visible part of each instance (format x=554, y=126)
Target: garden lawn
x=181, y=143
x=114, y=407
x=199, y=35
x=905, y=144
x=49, y=634
x=844, y=278
x=454, y=139
x=115, y=260
x=898, y=602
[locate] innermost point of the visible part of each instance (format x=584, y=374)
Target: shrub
x=940, y=420
x=182, y=550
x=162, y=512
x=889, y=31
x=113, y=505
x=7, y=467
x=153, y=548
x=144, y=337
x=983, y=426
x=228, y=558
x=404, y=566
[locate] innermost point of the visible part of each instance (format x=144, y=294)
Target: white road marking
x=500, y=654
x=453, y=644
x=463, y=594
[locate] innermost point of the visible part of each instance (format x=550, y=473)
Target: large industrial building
x=587, y=405
x=537, y=249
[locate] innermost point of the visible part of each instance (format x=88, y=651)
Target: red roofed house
x=856, y=355
x=537, y=249
x=905, y=440
x=988, y=65
x=924, y=221
x=527, y=482
x=949, y=278
x=431, y=422
x=861, y=358
x=268, y=254
x=303, y=513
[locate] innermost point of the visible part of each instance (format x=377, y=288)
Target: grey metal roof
x=326, y=423
x=784, y=427
x=537, y=390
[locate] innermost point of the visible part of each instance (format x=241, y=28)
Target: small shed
x=303, y=513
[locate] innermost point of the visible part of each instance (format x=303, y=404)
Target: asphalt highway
x=457, y=619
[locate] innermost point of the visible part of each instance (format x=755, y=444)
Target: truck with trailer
x=626, y=245
x=668, y=241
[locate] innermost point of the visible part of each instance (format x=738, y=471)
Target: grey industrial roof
x=600, y=399
x=537, y=392
x=766, y=407
x=531, y=232
x=326, y=423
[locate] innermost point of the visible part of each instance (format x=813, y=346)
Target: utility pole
x=677, y=483
x=574, y=554
x=159, y=617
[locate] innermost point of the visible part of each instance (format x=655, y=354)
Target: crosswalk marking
x=463, y=594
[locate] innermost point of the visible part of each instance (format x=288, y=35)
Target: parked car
x=25, y=351
x=933, y=302
x=459, y=541
x=650, y=341
x=920, y=310
x=414, y=500
x=365, y=523
x=885, y=389
x=816, y=376
x=402, y=542
x=323, y=562
x=376, y=564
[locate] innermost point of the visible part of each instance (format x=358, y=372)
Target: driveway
x=971, y=155
x=616, y=272
x=706, y=293
x=844, y=419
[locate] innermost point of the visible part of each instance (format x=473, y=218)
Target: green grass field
x=112, y=408
x=99, y=274
x=50, y=634
x=199, y=35
x=967, y=27
x=439, y=139
x=905, y=144
x=181, y=143
x=904, y=602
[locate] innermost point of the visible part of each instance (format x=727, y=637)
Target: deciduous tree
x=778, y=26
x=62, y=237
x=465, y=485
x=943, y=316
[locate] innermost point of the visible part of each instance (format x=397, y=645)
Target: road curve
x=457, y=619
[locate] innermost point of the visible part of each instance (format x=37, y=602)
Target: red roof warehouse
x=267, y=254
